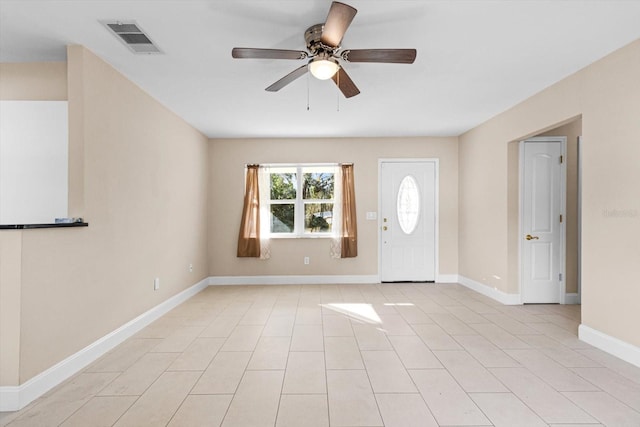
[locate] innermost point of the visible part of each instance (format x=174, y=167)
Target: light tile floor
x=351, y=355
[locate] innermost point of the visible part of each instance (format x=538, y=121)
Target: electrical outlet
x=190, y=268
x=306, y=260
x=156, y=283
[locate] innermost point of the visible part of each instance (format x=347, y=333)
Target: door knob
x=384, y=228
x=530, y=237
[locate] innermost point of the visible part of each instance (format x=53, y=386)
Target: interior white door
x=408, y=226
x=541, y=222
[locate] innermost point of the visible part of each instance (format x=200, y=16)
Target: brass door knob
x=384, y=228
x=530, y=237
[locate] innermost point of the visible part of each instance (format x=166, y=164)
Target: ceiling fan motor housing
x=312, y=37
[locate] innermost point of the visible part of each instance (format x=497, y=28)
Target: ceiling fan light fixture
x=322, y=68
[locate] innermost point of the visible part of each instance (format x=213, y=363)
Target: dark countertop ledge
x=53, y=225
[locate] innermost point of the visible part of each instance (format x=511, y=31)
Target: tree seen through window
x=309, y=202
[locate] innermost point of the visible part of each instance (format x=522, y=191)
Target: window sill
x=281, y=237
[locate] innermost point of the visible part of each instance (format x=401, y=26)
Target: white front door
x=542, y=227
x=408, y=221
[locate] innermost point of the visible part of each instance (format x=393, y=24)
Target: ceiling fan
x=324, y=52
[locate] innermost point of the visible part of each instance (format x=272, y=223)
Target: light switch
x=372, y=216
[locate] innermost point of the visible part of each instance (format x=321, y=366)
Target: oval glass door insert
x=408, y=205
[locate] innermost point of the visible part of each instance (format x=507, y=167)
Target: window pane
x=318, y=217
x=408, y=204
x=282, y=218
x=318, y=185
x=283, y=186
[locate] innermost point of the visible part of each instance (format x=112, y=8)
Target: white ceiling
x=476, y=58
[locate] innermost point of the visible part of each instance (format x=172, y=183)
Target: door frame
x=436, y=162
x=579, y=219
x=563, y=211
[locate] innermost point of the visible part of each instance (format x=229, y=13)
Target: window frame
x=299, y=202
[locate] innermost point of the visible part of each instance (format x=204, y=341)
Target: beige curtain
x=349, y=234
x=249, y=236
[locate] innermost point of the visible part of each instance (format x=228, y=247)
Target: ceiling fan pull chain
x=338, y=93
x=308, y=79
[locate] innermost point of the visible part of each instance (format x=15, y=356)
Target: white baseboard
x=14, y=398
x=10, y=398
x=448, y=278
x=572, y=299
x=621, y=349
x=293, y=280
x=309, y=280
x=493, y=293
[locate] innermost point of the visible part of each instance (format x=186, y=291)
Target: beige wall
x=144, y=194
x=607, y=95
x=10, y=271
x=37, y=81
x=228, y=157
x=513, y=217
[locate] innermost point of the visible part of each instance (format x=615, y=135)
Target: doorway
x=408, y=197
x=542, y=219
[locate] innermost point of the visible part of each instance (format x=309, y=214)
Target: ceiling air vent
x=130, y=33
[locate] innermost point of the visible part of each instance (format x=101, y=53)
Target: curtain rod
x=288, y=165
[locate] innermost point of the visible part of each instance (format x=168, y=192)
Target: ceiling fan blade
x=338, y=20
x=298, y=72
x=345, y=84
x=396, y=56
x=246, y=52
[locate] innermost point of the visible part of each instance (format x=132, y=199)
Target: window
x=301, y=200
x=408, y=204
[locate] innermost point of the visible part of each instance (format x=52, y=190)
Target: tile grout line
x=324, y=357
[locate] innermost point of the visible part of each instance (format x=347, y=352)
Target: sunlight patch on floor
x=359, y=311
